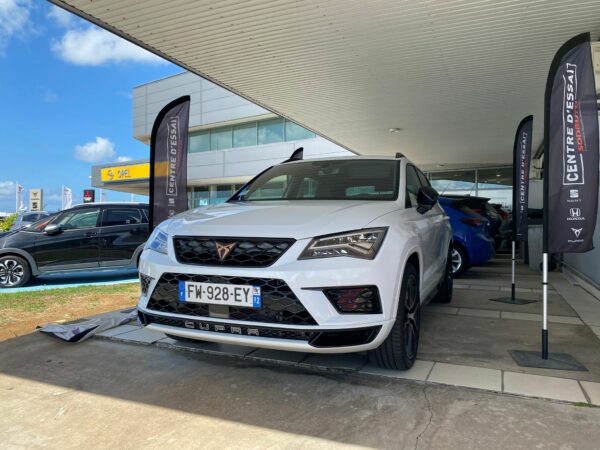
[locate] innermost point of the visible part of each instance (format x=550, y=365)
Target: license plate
x=220, y=294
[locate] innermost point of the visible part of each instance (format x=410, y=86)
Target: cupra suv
x=323, y=256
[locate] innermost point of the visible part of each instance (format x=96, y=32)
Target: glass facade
x=247, y=135
x=494, y=183
x=210, y=195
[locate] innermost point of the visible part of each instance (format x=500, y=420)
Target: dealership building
x=232, y=139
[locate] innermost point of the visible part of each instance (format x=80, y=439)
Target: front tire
x=399, y=350
x=14, y=271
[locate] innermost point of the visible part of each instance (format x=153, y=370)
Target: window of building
x=244, y=135
x=294, y=132
x=270, y=131
x=199, y=141
x=459, y=182
x=220, y=138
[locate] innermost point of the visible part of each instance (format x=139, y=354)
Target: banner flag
x=168, y=161
x=571, y=150
x=67, y=198
x=521, y=166
x=20, y=204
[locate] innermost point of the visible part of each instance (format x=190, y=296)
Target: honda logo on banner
x=571, y=149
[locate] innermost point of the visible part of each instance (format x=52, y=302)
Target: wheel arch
x=22, y=254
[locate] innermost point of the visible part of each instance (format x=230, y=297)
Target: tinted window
x=360, y=179
x=423, y=179
x=412, y=186
x=31, y=217
x=80, y=218
x=145, y=215
x=121, y=216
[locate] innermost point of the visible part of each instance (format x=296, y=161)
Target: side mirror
x=426, y=199
x=52, y=229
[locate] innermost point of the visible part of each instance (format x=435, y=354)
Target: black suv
x=86, y=237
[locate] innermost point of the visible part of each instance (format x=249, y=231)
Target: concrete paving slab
x=419, y=371
x=543, y=387
x=473, y=312
x=538, y=318
x=277, y=355
x=466, y=376
x=485, y=342
x=119, y=330
x=348, y=361
x=140, y=336
x=440, y=309
x=593, y=391
x=226, y=402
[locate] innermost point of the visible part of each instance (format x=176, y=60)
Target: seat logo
x=223, y=250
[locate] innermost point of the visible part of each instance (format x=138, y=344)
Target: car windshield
x=41, y=224
x=360, y=179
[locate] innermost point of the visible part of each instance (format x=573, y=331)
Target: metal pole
x=545, y=307
x=513, y=272
x=62, y=197
x=17, y=197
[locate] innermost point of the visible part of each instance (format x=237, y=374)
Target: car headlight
x=159, y=239
x=355, y=244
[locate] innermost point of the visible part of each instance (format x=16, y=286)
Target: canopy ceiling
x=456, y=76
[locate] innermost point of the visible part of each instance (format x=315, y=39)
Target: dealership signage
x=125, y=172
x=89, y=196
x=571, y=158
x=168, y=161
x=521, y=166
x=36, y=199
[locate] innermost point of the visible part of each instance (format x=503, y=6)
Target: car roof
x=97, y=204
x=350, y=158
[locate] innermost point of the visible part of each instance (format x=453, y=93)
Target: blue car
x=472, y=242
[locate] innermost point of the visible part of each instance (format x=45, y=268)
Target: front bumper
x=329, y=332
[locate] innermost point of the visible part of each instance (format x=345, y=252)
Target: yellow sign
x=125, y=173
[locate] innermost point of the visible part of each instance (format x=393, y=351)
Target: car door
x=74, y=246
x=426, y=229
x=124, y=229
x=441, y=230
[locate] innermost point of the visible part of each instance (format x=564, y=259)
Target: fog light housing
x=354, y=299
x=145, y=281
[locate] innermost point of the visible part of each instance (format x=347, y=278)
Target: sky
x=65, y=101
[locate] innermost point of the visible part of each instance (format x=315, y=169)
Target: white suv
x=323, y=256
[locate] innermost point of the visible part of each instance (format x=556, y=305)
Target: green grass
x=38, y=301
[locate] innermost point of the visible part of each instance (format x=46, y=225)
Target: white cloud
x=62, y=17
x=49, y=97
x=122, y=159
x=7, y=188
x=93, y=46
x=14, y=17
x=99, y=150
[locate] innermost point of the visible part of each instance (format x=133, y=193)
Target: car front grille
x=233, y=252
x=279, y=303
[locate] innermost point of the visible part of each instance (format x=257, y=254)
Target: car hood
x=297, y=219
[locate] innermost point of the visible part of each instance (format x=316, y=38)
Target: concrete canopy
x=456, y=76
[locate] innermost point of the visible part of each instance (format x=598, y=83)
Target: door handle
x=91, y=234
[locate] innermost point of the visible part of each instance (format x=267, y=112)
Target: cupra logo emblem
x=223, y=250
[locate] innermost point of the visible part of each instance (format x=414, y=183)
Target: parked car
x=472, y=244
x=86, y=237
x=26, y=219
x=482, y=206
x=322, y=256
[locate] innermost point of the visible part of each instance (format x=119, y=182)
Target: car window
x=413, y=184
x=423, y=179
x=79, y=218
x=360, y=179
x=30, y=217
x=121, y=216
x=145, y=215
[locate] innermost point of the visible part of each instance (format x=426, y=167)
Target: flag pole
x=62, y=197
x=17, y=197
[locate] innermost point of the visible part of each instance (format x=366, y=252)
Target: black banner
x=521, y=166
x=571, y=150
x=168, y=161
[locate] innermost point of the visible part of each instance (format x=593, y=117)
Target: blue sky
x=65, y=100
